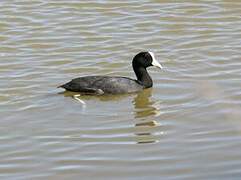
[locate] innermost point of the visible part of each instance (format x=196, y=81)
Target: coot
x=99, y=85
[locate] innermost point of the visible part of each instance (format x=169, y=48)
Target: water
x=186, y=127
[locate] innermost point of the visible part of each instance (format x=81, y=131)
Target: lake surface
x=188, y=126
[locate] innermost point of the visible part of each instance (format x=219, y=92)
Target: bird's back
x=105, y=84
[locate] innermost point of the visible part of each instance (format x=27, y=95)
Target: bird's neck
x=143, y=77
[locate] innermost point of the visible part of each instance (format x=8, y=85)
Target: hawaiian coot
x=117, y=85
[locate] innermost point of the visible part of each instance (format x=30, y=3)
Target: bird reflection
x=88, y=97
x=145, y=110
x=144, y=106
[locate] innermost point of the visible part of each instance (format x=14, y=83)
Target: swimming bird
x=99, y=85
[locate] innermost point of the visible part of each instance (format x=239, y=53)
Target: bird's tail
x=61, y=86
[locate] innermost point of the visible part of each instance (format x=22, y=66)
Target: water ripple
x=188, y=124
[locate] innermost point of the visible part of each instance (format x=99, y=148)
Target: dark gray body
x=103, y=85
x=117, y=85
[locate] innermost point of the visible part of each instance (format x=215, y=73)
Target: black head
x=145, y=59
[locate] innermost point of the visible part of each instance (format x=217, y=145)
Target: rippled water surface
x=188, y=126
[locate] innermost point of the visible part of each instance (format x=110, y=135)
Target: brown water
x=188, y=126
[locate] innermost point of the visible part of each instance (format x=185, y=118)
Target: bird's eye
x=146, y=55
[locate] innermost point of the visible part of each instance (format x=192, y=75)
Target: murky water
x=188, y=126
